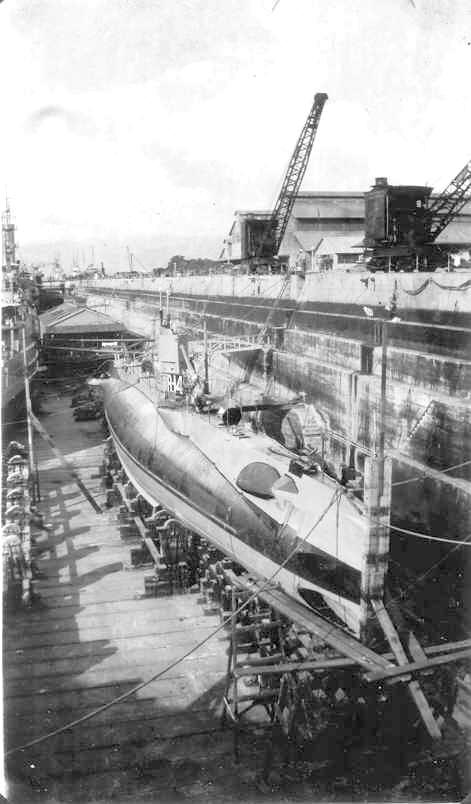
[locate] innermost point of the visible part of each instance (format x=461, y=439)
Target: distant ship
x=20, y=324
x=24, y=296
x=242, y=491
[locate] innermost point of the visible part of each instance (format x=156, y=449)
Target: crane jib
x=272, y=237
x=449, y=203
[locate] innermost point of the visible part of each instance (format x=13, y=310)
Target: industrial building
x=326, y=229
x=76, y=338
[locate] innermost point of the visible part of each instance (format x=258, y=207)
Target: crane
x=417, y=238
x=449, y=203
x=272, y=236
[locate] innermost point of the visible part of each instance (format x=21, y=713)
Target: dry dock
x=94, y=637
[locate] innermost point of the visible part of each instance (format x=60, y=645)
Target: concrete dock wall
x=440, y=291
x=428, y=370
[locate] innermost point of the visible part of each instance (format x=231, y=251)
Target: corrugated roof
x=56, y=312
x=84, y=319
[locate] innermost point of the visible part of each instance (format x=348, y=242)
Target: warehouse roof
x=55, y=313
x=78, y=320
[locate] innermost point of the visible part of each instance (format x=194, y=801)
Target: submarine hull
x=168, y=468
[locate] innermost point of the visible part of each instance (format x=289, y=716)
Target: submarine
x=234, y=486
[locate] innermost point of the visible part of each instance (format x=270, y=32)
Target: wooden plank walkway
x=93, y=637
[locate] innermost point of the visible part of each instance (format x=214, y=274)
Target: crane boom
x=444, y=208
x=278, y=222
x=276, y=226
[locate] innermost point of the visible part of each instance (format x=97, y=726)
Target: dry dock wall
x=420, y=296
x=333, y=358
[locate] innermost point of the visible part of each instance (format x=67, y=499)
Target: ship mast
x=9, y=261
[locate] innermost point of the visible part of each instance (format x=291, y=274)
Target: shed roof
x=55, y=313
x=80, y=320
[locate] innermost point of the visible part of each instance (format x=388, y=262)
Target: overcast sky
x=148, y=122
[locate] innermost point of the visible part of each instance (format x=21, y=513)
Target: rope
x=464, y=286
x=421, y=477
x=180, y=659
x=431, y=538
x=417, y=581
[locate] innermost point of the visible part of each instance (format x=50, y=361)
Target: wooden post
x=206, y=365
x=28, y=407
x=378, y=506
x=377, y=498
x=382, y=410
x=413, y=686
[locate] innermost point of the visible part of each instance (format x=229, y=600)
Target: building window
x=348, y=258
x=366, y=359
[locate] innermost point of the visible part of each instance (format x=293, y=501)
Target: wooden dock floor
x=94, y=636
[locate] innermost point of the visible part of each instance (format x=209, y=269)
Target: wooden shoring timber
x=236, y=669
x=292, y=667
x=149, y=543
x=414, y=687
x=119, y=486
x=335, y=636
x=143, y=533
x=341, y=662
x=397, y=673
x=415, y=648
